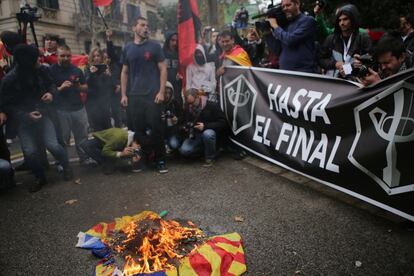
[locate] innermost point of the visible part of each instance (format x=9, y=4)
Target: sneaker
x=208, y=163
x=88, y=162
x=137, y=166
x=162, y=168
x=67, y=174
x=37, y=185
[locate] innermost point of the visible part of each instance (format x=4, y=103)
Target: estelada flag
x=189, y=26
x=102, y=3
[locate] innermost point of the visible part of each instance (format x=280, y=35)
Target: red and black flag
x=102, y=3
x=189, y=27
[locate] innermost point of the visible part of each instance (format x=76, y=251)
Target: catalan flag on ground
x=239, y=56
x=220, y=255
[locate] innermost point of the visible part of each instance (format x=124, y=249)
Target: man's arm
x=124, y=82
x=306, y=28
x=162, y=66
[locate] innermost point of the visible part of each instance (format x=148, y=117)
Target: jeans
x=76, y=122
x=29, y=132
x=5, y=167
x=205, y=140
x=93, y=148
x=173, y=142
x=143, y=113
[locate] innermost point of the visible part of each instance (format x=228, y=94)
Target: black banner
x=357, y=140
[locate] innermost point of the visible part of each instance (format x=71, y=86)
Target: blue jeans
x=5, y=167
x=93, y=148
x=77, y=123
x=206, y=140
x=173, y=142
x=29, y=132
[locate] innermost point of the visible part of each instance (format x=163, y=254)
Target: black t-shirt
x=68, y=99
x=143, y=72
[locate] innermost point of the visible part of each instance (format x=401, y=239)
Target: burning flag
x=145, y=243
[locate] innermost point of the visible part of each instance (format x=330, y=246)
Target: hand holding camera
x=128, y=152
x=362, y=64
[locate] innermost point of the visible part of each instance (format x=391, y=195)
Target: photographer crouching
x=391, y=57
x=206, y=127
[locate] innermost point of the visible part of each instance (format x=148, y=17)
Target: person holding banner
x=233, y=54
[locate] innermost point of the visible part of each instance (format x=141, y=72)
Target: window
x=49, y=4
x=133, y=12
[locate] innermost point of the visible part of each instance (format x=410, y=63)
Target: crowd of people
x=139, y=107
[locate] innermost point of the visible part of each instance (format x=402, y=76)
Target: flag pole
x=102, y=17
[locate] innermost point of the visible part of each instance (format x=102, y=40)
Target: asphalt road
x=288, y=228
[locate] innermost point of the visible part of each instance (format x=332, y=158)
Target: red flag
x=189, y=26
x=102, y=3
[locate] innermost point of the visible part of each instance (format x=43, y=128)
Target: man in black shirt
x=70, y=82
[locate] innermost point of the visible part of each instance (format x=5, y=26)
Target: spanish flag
x=239, y=56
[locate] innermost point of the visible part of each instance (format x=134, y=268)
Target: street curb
x=325, y=190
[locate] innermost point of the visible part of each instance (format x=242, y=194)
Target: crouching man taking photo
x=206, y=127
x=392, y=58
x=112, y=145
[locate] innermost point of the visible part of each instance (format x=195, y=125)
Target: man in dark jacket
x=339, y=48
x=25, y=94
x=206, y=125
x=297, y=39
x=407, y=31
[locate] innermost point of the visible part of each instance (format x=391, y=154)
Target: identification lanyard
x=347, y=46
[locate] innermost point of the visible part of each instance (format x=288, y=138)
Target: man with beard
x=143, y=79
x=233, y=54
x=26, y=93
x=297, y=39
x=391, y=57
x=340, y=47
x=407, y=31
x=70, y=82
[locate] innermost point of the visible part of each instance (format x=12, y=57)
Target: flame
x=160, y=247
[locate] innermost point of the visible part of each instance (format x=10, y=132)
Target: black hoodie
x=173, y=65
x=361, y=43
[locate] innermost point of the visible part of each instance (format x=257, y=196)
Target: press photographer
x=297, y=38
x=337, y=53
x=391, y=57
x=207, y=128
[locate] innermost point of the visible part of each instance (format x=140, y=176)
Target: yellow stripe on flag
x=213, y=258
x=186, y=268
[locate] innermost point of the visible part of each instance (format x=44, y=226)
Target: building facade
x=78, y=23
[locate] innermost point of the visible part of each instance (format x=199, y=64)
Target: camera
x=138, y=151
x=273, y=11
x=189, y=129
x=28, y=14
x=367, y=62
x=168, y=117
